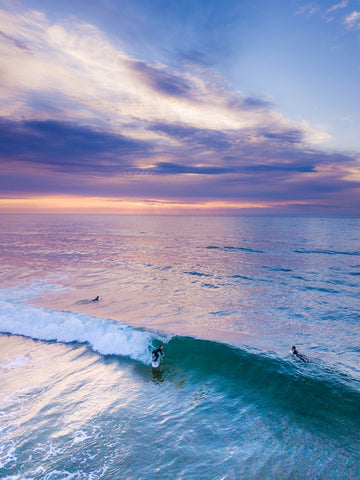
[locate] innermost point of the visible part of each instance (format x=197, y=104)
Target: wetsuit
x=155, y=354
x=304, y=359
x=301, y=357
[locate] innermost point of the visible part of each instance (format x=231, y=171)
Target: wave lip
x=104, y=336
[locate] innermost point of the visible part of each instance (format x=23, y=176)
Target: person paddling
x=295, y=353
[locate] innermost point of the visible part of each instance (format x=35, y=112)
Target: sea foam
x=104, y=336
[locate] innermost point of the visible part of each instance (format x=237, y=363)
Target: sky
x=191, y=106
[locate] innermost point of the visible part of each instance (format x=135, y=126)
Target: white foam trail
x=80, y=437
x=7, y=453
x=17, y=362
x=105, y=336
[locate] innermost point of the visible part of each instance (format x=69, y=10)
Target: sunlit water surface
x=228, y=296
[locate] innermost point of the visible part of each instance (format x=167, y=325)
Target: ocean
x=227, y=296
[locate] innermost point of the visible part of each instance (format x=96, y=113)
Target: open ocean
x=227, y=296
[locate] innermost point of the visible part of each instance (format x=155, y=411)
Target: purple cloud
x=69, y=147
x=160, y=80
x=17, y=43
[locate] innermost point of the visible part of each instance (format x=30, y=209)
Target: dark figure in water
x=295, y=353
x=96, y=299
x=155, y=353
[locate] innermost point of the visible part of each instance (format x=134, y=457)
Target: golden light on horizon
x=64, y=204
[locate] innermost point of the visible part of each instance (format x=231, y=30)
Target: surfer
x=295, y=353
x=96, y=299
x=157, y=352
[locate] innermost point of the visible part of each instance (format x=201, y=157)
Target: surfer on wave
x=156, y=353
x=295, y=353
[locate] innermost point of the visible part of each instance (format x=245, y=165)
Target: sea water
x=228, y=297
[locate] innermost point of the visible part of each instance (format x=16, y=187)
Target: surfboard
x=156, y=363
x=303, y=358
x=300, y=356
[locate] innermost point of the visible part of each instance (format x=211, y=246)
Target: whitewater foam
x=7, y=453
x=17, y=362
x=104, y=336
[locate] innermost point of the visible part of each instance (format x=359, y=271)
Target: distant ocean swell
x=325, y=398
x=233, y=249
x=329, y=252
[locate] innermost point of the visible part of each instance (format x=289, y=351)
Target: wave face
x=315, y=390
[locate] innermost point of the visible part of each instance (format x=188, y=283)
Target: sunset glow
x=93, y=205
x=97, y=118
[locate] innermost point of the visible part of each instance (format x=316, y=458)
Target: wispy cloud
x=15, y=42
x=338, y=6
x=308, y=9
x=89, y=80
x=330, y=14
x=353, y=20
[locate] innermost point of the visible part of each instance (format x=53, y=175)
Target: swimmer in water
x=295, y=353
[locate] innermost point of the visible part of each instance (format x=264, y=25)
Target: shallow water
x=227, y=296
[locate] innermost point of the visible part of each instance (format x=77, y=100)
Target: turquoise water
x=227, y=297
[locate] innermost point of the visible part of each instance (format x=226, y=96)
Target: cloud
x=194, y=137
x=353, y=19
x=72, y=148
x=309, y=9
x=81, y=116
x=165, y=168
x=337, y=6
x=287, y=136
x=69, y=148
x=254, y=102
x=162, y=81
x=94, y=162
x=329, y=14
x=77, y=75
x=15, y=42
